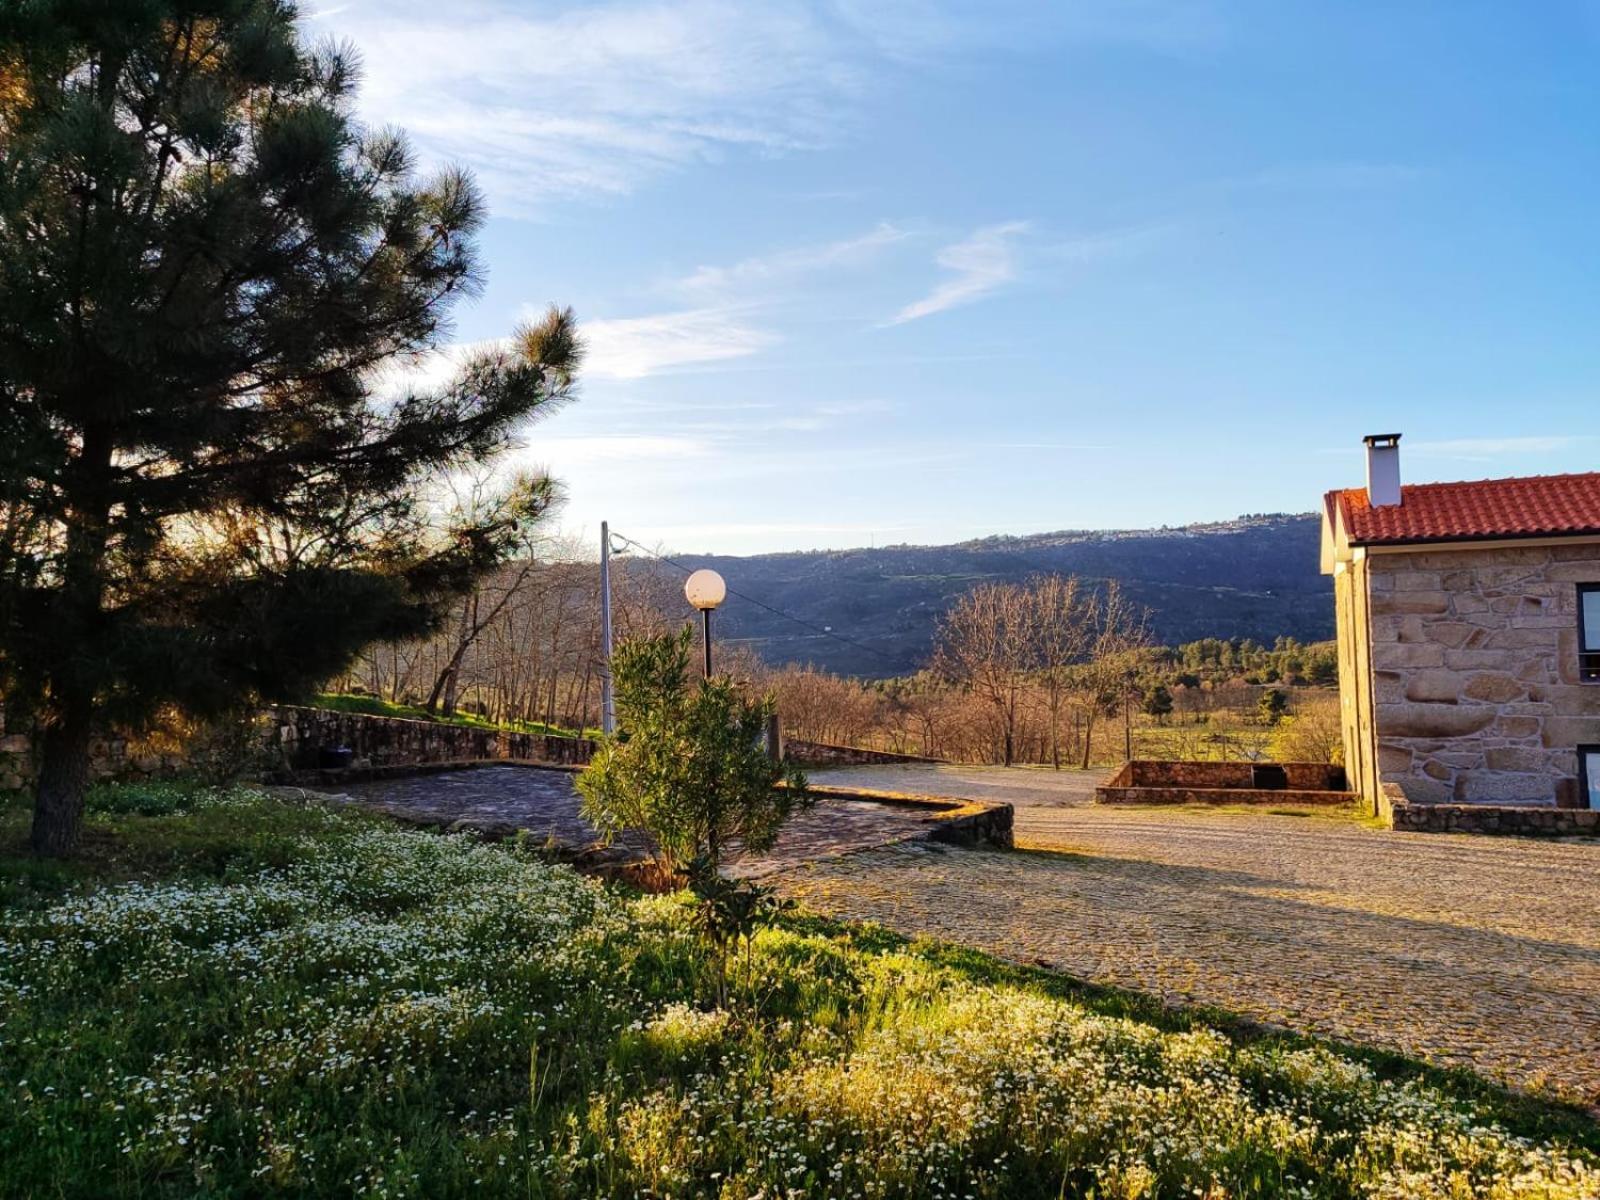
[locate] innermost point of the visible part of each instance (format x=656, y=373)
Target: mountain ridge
x=1256, y=576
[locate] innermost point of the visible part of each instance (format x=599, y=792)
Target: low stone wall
x=293, y=741
x=110, y=757
x=298, y=738
x=1181, y=795
x=957, y=822
x=820, y=754
x=1149, y=781
x=1302, y=776
x=1526, y=820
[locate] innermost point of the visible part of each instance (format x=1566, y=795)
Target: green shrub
x=690, y=769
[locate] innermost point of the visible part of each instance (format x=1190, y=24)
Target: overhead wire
x=824, y=630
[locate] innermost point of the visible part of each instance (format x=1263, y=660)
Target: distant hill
x=1256, y=577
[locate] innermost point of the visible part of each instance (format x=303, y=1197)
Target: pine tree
x=208, y=492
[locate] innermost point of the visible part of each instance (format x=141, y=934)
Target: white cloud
x=562, y=99
x=574, y=100
x=787, y=264
x=564, y=452
x=634, y=347
x=983, y=262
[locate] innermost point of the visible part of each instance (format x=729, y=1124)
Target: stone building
x=1469, y=644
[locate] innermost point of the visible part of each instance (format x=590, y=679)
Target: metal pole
x=608, y=702
x=1127, y=719
x=705, y=614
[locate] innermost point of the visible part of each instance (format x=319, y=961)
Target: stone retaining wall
x=1302, y=776
x=1224, y=795
x=820, y=754
x=110, y=757
x=1531, y=820
x=294, y=737
x=957, y=822
x=297, y=738
x=1148, y=781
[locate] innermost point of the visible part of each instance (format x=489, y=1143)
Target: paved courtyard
x=542, y=803
x=1473, y=951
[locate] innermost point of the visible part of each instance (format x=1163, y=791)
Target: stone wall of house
x=1475, y=673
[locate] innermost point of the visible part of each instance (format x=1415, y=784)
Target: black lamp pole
x=705, y=619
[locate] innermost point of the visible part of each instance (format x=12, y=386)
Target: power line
x=824, y=630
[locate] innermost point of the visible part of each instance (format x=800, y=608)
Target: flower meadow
x=306, y=1002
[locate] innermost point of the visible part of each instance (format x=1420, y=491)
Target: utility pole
x=608, y=702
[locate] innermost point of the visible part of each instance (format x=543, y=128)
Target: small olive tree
x=689, y=768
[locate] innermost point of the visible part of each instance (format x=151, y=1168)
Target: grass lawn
x=230, y=995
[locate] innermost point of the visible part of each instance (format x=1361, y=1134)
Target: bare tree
x=1120, y=629
x=1062, y=623
x=984, y=644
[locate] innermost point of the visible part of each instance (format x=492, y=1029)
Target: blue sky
x=870, y=271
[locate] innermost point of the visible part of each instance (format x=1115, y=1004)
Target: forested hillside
x=1256, y=577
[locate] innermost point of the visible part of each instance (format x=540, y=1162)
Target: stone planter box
x=1145, y=781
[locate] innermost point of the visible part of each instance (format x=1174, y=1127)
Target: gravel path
x=1473, y=951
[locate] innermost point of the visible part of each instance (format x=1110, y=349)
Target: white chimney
x=1383, y=469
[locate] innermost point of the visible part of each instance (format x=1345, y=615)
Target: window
x=1589, y=632
x=1589, y=774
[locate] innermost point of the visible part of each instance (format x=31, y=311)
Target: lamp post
x=608, y=702
x=705, y=590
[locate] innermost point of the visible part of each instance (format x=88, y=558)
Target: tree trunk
x=64, y=750
x=62, y=784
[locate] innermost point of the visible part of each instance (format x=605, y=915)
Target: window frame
x=1588, y=660
x=1586, y=785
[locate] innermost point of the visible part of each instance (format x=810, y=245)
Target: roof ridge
x=1508, y=507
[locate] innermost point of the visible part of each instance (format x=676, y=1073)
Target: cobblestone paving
x=501, y=801
x=1472, y=951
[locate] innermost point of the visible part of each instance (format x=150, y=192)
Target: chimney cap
x=1382, y=439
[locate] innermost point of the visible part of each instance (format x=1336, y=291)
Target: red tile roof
x=1538, y=506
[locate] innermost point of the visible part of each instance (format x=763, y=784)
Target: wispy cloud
x=597, y=98
x=783, y=265
x=919, y=29
x=562, y=100
x=981, y=263
x=623, y=448
x=1487, y=449
x=634, y=347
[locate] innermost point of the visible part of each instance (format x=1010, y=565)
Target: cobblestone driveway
x=1472, y=951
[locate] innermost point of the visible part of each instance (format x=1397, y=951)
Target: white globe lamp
x=705, y=590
